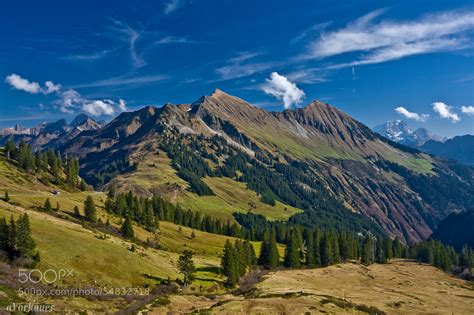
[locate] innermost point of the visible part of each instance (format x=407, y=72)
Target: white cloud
x=411, y=115
x=445, y=111
x=69, y=99
x=32, y=87
x=280, y=87
x=51, y=87
x=122, y=105
x=390, y=40
x=173, y=5
x=99, y=108
x=469, y=110
x=22, y=84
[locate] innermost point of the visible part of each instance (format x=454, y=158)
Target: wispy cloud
x=238, y=66
x=22, y=84
x=175, y=40
x=89, y=57
x=124, y=80
x=280, y=87
x=307, y=76
x=445, y=111
x=173, y=5
x=411, y=115
x=389, y=40
x=131, y=37
x=309, y=32
x=469, y=110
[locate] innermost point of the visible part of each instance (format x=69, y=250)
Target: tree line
x=62, y=172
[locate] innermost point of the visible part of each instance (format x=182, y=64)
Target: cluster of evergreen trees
x=237, y=260
x=62, y=172
x=16, y=240
x=149, y=211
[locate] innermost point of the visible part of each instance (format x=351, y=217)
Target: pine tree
x=367, y=256
x=47, y=205
x=127, y=228
x=186, y=267
x=229, y=265
x=89, y=209
x=10, y=149
x=388, y=248
x=292, y=251
x=327, y=252
x=76, y=211
x=309, y=249
x=24, y=242
x=7, y=197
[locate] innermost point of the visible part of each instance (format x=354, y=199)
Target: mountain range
x=317, y=159
x=50, y=135
x=399, y=131
x=459, y=148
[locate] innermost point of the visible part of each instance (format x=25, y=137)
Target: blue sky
x=378, y=61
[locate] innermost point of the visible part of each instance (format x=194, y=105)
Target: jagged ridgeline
x=316, y=164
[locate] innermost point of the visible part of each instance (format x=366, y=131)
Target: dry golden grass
x=400, y=287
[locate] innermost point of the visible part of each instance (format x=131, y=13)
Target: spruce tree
x=89, y=209
x=76, y=211
x=127, y=228
x=24, y=242
x=47, y=205
x=273, y=254
x=186, y=266
x=10, y=149
x=292, y=251
x=7, y=197
x=229, y=265
x=368, y=249
x=327, y=252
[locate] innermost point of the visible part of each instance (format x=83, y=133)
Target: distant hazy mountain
x=399, y=131
x=50, y=134
x=460, y=148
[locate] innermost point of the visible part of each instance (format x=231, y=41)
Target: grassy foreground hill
x=401, y=287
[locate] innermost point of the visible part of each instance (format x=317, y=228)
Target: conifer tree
x=24, y=242
x=76, y=211
x=47, y=205
x=10, y=149
x=89, y=209
x=186, y=266
x=58, y=207
x=292, y=250
x=368, y=249
x=7, y=197
x=327, y=252
x=229, y=265
x=127, y=228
